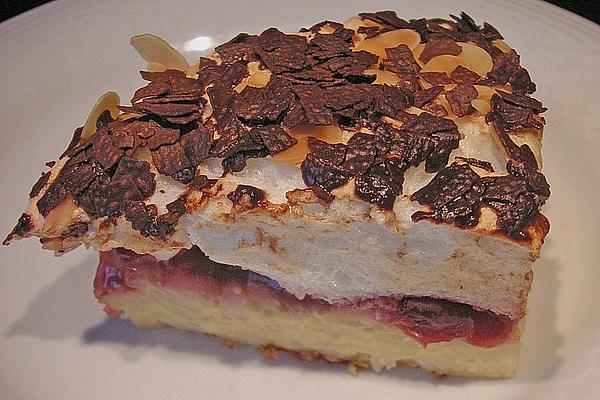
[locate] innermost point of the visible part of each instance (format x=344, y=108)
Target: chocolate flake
x=401, y=60
x=381, y=184
x=513, y=112
x=55, y=195
x=22, y=228
x=246, y=197
x=485, y=165
x=274, y=138
x=426, y=138
x=438, y=46
x=161, y=137
x=516, y=197
x=436, y=78
x=454, y=196
x=196, y=144
x=41, y=182
x=464, y=75
x=281, y=52
x=426, y=96
x=460, y=98
x=171, y=160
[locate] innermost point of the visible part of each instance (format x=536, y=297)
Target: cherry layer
x=427, y=320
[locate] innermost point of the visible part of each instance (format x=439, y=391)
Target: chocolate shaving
x=517, y=197
x=22, y=228
x=401, y=60
x=196, y=144
x=103, y=150
x=321, y=168
x=387, y=19
x=246, y=197
x=161, y=137
x=41, y=182
x=281, y=52
x=392, y=99
x=437, y=46
x=436, y=78
x=485, y=165
x=426, y=96
x=460, y=98
x=55, y=195
x=381, y=184
x=274, y=138
x=139, y=171
x=464, y=75
x=243, y=47
x=425, y=138
x=310, y=99
x=454, y=196
x=513, y=112
x=171, y=160
x=264, y=105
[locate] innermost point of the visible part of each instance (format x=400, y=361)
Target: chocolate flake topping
x=315, y=80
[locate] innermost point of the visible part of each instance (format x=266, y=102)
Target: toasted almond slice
x=477, y=59
x=192, y=71
x=60, y=217
x=108, y=101
x=482, y=106
x=258, y=77
x=378, y=44
x=383, y=77
x=356, y=22
x=501, y=44
x=155, y=67
x=444, y=63
x=155, y=50
x=417, y=51
x=297, y=153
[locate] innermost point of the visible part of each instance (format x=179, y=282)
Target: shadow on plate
x=67, y=309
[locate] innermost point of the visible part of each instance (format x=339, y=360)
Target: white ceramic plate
x=55, y=342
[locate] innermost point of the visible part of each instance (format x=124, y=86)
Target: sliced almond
x=192, y=71
x=379, y=43
x=477, y=59
x=444, y=63
x=482, y=106
x=356, y=22
x=142, y=154
x=60, y=217
x=501, y=44
x=258, y=77
x=383, y=77
x=297, y=153
x=417, y=51
x=155, y=67
x=155, y=50
x=108, y=101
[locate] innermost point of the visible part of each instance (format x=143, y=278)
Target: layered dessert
x=366, y=192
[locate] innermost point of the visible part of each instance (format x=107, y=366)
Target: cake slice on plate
x=366, y=192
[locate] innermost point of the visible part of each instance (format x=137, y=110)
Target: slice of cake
x=366, y=192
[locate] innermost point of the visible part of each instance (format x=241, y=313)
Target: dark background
x=589, y=9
